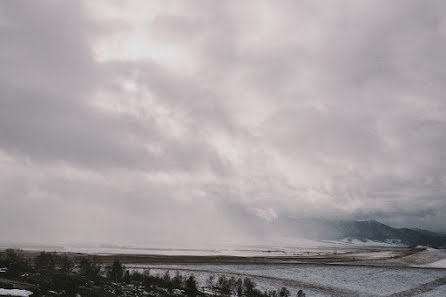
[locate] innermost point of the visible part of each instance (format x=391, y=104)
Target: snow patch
x=15, y=292
x=430, y=258
x=368, y=242
x=437, y=264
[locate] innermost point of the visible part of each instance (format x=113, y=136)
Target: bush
x=115, y=271
x=55, y=273
x=177, y=281
x=191, y=287
x=64, y=284
x=90, y=268
x=15, y=261
x=65, y=264
x=284, y=292
x=225, y=285
x=239, y=287
x=45, y=262
x=249, y=287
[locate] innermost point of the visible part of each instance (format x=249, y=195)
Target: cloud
x=121, y=119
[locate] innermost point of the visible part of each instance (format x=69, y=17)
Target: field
x=324, y=271
x=371, y=272
x=323, y=280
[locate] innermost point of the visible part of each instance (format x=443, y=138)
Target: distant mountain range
x=361, y=230
x=376, y=231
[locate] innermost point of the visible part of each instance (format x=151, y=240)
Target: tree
x=90, y=267
x=300, y=293
x=191, y=287
x=45, y=262
x=126, y=278
x=116, y=271
x=65, y=264
x=177, y=280
x=239, y=287
x=272, y=293
x=15, y=261
x=232, y=282
x=224, y=285
x=210, y=284
x=167, y=281
x=284, y=292
x=248, y=287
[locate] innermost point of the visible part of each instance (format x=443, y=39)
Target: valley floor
x=392, y=272
x=340, y=272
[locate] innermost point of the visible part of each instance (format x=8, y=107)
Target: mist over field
x=211, y=123
x=211, y=148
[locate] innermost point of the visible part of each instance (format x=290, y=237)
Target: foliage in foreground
x=51, y=274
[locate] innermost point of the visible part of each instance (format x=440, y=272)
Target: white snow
x=358, y=279
x=15, y=292
x=370, y=243
x=282, y=247
x=430, y=258
x=437, y=264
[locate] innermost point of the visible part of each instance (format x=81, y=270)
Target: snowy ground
x=319, y=280
x=428, y=258
x=383, y=275
x=303, y=247
x=15, y=292
x=438, y=292
x=437, y=264
x=330, y=269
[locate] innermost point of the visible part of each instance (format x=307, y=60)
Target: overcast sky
x=168, y=121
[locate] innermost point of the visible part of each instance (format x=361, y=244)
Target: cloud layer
x=165, y=122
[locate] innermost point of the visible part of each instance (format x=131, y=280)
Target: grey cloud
x=46, y=47
x=39, y=125
x=289, y=109
x=48, y=80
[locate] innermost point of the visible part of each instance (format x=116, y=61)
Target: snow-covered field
x=430, y=258
x=323, y=280
x=329, y=269
x=303, y=247
x=437, y=264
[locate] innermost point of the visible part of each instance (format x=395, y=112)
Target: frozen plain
x=331, y=269
x=371, y=273
x=322, y=280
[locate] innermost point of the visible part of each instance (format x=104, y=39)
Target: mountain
x=363, y=231
x=376, y=231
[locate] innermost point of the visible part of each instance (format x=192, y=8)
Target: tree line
x=52, y=274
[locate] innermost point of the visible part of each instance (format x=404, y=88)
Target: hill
x=370, y=230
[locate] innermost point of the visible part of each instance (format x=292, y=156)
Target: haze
x=202, y=121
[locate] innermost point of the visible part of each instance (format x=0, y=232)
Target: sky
x=202, y=121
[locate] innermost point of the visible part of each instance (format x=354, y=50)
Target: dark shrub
x=15, y=262
x=191, y=287
x=115, y=271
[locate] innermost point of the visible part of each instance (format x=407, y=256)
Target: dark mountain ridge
x=373, y=230
x=376, y=231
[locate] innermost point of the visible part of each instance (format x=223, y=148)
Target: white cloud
x=213, y=112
